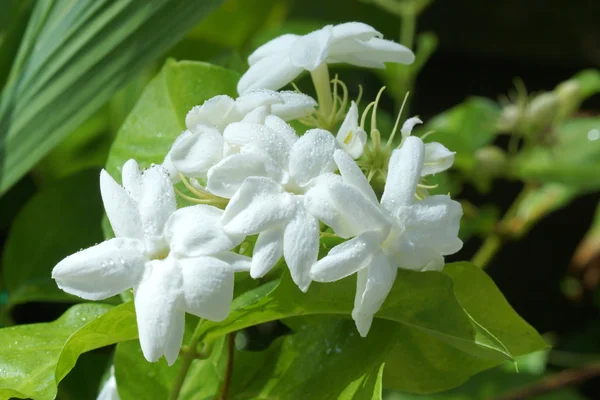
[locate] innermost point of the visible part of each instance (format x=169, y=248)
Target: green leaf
x=159, y=116
x=589, y=82
x=573, y=161
x=35, y=358
x=73, y=57
x=47, y=229
x=465, y=128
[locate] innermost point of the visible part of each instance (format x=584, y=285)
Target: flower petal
x=257, y=116
x=260, y=204
x=267, y=252
x=159, y=308
x=374, y=283
x=271, y=72
x=280, y=44
x=351, y=137
x=103, y=270
x=312, y=155
x=301, y=246
x=120, y=208
x=404, y=172
x=109, y=389
x=311, y=50
x=194, y=154
x=216, y=111
x=347, y=258
x=255, y=99
x=207, y=287
x=226, y=177
x=132, y=179
x=355, y=30
x=197, y=230
x=238, y=262
x=167, y=163
x=372, y=53
x=437, y=158
x=260, y=138
x=295, y=105
x=352, y=175
x=156, y=204
x=282, y=128
x=408, y=126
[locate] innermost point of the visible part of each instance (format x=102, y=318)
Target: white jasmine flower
x=398, y=232
x=176, y=261
x=437, y=157
x=109, y=389
x=266, y=182
x=351, y=137
x=281, y=60
x=201, y=146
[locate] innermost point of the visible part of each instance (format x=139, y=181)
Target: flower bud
x=542, y=110
x=490, y=160
x=510, y=118
x=569, y=96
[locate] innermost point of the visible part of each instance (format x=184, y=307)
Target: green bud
x=490, y=161
x=510, y=118
x=542, y=110
x=569, y=97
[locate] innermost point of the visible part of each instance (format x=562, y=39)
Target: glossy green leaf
x=73, y=57
x=35, y=358
x=589, y=82
x=55, y=223
x=159, y=116
x=574, y=160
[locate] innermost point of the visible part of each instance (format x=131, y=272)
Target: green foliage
x=73, y=57
x=574, y=160
x=35, y=358
x=159, y=116
x=70, y=214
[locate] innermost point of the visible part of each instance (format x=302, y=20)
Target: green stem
x=229, y=372
x=188, y=356
x=408, y=28
x=320, y=78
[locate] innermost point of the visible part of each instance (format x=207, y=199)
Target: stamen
x=391, y=138
x=427, y=134
x=360, y=94
x=427, y=186
x=194, y=190
x=374, y=114
x=364, y=116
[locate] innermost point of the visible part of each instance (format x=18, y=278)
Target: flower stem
x=188, y=356
x=320, y=78
x=229, y=371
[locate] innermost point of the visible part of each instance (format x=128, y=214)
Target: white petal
x=417, y=256
x=404, y=172
x=372, y=53
x=434, y=222
x=301, y=246
x=197, y=230
x=132, y=179
x=261, y=138
x=311, y=50
x=360, y=212
x=207, y=287
x=257, y=116
x=267, y=252
x=280, y=44
x=356, y=30
x=103, y=270
x=282, y=128
x=109, y=389
x=160, y=310
x=238, y=262
x=352, y=175
x=255, y=99
x=225, y=178
x=167, y=163
x=319, y=202
x=196, y=153
x=120, y=208
x=373, y=285
x=156, y=204
x=214, y=111
x=350, y=136
x=408, y=126
x=260, y=204
x=312, y=155
x=272, y=72
x=347, y=258
x=295, y=105
x=437, y=158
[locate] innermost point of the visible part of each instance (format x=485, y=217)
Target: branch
x=554, y=382
x=229, y=371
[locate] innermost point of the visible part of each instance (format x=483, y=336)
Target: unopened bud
x=490, y=160
x=542, y=110
x=509, y=119
x=569, y=96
